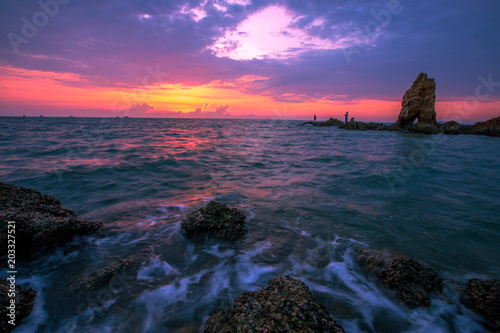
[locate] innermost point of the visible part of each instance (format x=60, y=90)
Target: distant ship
x=125, y=116
x=71, y=116
x=24, y=116
x=41, y=116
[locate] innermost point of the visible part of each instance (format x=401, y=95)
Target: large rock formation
x=216, y=220
x=484, y=298
x=418, y=102
x=40, y=221
x=286, y=305
x=412, y=281
x=24, y=301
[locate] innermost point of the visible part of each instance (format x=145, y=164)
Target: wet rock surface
x=412, y=281
x=24, y=301
x=40, y=221
x=419, y=102
x=285, y=305
x=99, y=278
x=484, y=298
x=215, y=220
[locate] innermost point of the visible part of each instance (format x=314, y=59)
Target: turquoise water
x=311, y=195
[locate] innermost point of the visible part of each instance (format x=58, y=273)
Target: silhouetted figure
x=352, y=119
x=314, y=118
x=346, y=116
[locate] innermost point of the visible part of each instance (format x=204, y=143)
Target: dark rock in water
x=286, y=305
x=361, y=126
x=484, y=298
x=24, y=301
x=216, y=220
x=419, y=102
x=40, y=221
x=330, y=122
x=490, y=128
x=97, y=279
x=412, y=280
x=453, y=128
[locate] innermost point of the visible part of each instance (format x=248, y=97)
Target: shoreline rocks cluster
x=419, y=104
x=285, y=305
x=412, y=281
x=40, y=221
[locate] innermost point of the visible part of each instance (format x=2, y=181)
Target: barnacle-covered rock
x=412, y=280
x=286, y=305
x=484, y=298
x=216, y=220
x=40, y=221
x=23, y=304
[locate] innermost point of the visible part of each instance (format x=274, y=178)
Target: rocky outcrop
x=24, y=301
x=215, y=220
x=484, y=298
x=412, y=281
x=286, y=305
x=99, y=278
x=418, y=102
x=40, y=221
x=361, y=126
x=490, y=128
x=330, y=122
x=453, y=128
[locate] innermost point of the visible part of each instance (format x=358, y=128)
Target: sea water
x=312, y=196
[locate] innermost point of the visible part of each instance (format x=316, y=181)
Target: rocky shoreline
x=418, y=104
x=285, y=305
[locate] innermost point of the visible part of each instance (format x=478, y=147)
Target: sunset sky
x=284, y=59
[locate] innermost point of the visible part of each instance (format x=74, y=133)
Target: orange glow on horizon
x=68, y=94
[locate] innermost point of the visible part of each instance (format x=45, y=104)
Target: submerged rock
x=97, y=279
x=285, y=305
x=40, y=220
x=24, y=301
x=215, y=220
x=412, y=280
x=484, y=298
x=419, y=102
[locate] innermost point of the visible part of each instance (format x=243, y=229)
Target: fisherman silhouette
x=314, y=118
x=346, y=116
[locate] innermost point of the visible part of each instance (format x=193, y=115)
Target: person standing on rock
x=346, y=116
x=314, y=118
